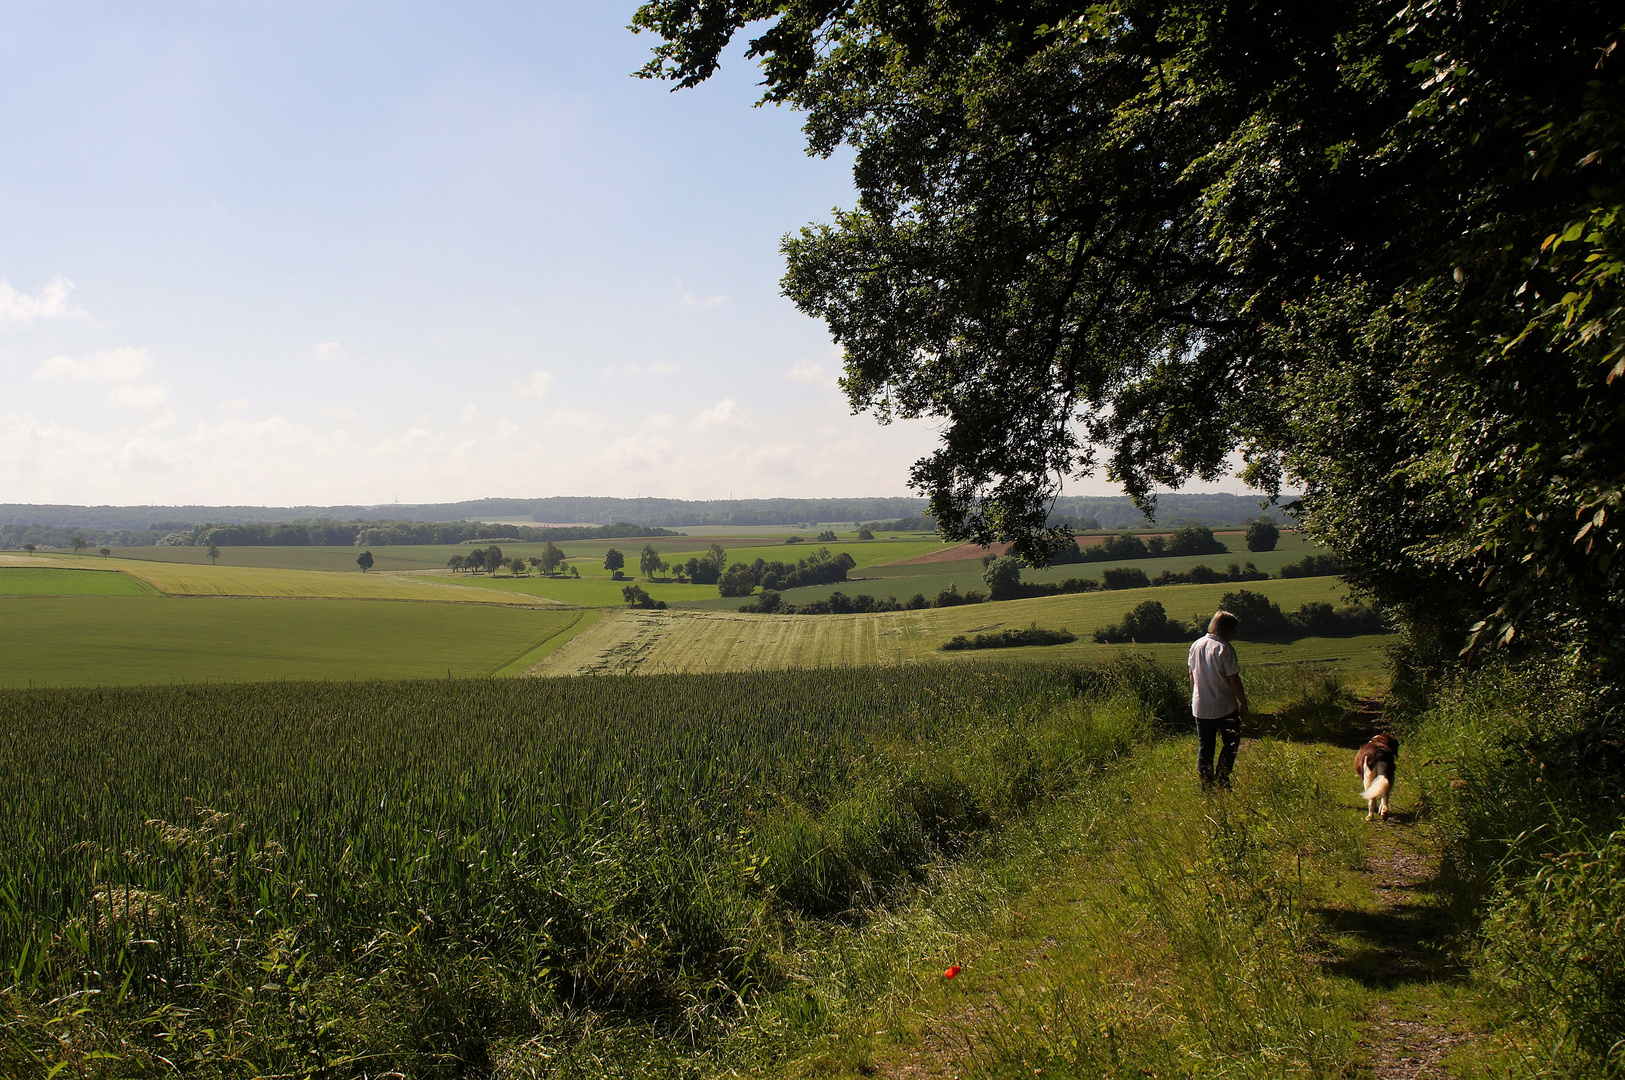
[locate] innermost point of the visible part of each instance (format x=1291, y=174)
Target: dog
x=1374, y=765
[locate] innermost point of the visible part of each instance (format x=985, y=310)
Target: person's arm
x=1240, y=692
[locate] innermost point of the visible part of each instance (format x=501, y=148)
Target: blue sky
x=352, y=252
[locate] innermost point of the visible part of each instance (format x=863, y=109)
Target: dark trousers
x=1206, y=732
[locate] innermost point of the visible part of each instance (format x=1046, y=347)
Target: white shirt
x=1212, y=661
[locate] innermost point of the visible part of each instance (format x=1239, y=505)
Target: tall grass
x=471, y=878
x=1523, y=766
x=1194, y=950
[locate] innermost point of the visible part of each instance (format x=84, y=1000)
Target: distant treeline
x=1082, y=512
x=61, y=536
x=387, y=533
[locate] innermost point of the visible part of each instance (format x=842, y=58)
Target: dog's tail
x=1377, y=781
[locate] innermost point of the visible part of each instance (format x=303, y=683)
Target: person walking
x=1218, y=700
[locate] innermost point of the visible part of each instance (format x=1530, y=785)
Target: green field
x=54, y=581
x=662, y=641
x=452, y=878
x=114, y=640
x=192, y=579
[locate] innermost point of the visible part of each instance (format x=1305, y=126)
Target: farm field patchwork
x=187, y=579
x=114, y=640
x=664, y=641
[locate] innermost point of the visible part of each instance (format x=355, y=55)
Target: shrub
x=637, y=597
x=1262, y=535
x=1116, y=546
x=1147, y=622
x=1124, y=577
x=1003, y=577
x=1201, y=574
x=1193, y=540
x=1313, y=566
x=1007, y=639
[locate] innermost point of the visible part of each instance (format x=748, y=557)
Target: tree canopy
x=1375, y=247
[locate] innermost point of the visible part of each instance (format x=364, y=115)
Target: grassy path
x=1267, y=932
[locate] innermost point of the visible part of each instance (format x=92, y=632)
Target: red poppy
x=951, y=972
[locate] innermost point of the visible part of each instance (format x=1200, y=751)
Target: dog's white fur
x=1377, y=785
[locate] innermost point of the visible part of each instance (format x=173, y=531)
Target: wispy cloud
x=576, y=418
x=51, y=302
x=695, y=301
x=327, y=351
x=121, y=365
x=537, y=386
x=633, y=370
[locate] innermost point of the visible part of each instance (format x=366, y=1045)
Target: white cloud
x=810, y=372
x=51, y=302
x=537, y=386
x=724, y=414
x=149, y=398
x=342, y=415
x=691, y=300
x=121, y=365
x=585, y=421
x=326, y=351
x=469, y=413
x=234, y=407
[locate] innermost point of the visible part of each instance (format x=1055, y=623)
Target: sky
x=346, y=252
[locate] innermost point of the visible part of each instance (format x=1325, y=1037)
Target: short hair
x=1223, y=623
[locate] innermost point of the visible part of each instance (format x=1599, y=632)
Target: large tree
x=1373, y=246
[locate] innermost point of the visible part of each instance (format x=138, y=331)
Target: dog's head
x=1386, y=741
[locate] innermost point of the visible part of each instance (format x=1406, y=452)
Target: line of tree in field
x=1261, y=620
x=490, y=560
x=1002, y=574
x=770, y=602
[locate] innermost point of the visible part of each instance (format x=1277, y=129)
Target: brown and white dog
x=1374, y=764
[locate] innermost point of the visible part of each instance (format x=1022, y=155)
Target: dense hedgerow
x=437, y=878
x=1006, y=639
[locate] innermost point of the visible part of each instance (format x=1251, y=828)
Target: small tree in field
x=551, y=557
x=79, y=545
x=493, y=559
x=1262, y=535
x=475, y=561
x=30, y=548
x=613, y=560
x=364, y=560
x=213, y=553
x=1003, y=577
x=455, y=562
x=650, y=562
x=104, y=552
x=865, y=534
